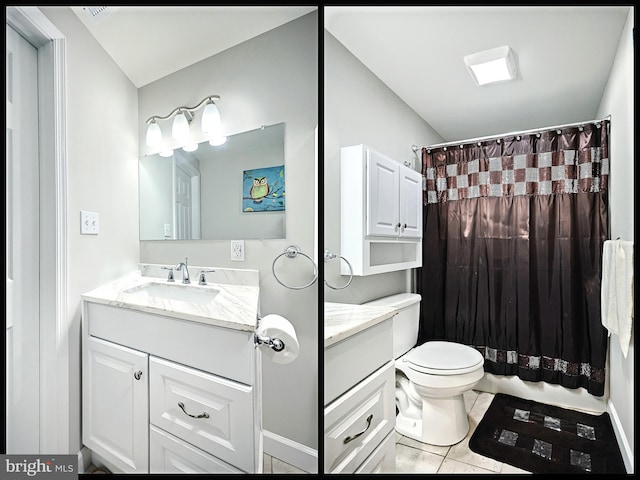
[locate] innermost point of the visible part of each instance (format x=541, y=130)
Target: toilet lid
x=444, y=358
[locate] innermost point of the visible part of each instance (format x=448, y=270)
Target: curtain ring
x=461, y=147
x=444, y=149
x=498, y=141
x=291, y=252
x=518, y=137
x=558, y=131
x=538, y=135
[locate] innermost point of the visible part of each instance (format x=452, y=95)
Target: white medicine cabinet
x=381, y=212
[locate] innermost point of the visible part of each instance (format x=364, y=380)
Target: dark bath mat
x=543, y=438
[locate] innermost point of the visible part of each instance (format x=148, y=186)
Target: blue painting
x=263, y=189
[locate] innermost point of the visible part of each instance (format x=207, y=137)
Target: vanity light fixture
x=491, y=66
x=182, y=119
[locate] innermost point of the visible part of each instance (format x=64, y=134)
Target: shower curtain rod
x=415, y=148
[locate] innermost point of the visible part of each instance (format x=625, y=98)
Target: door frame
x=55, y=416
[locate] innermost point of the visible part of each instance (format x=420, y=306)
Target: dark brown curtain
x=512, y=247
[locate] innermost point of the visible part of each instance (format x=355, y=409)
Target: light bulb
x=190, y=148
x=217, y=140
x=180, y=129
x=210, y=122
x=154, y=135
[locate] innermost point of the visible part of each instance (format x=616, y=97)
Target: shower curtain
x=513, y=235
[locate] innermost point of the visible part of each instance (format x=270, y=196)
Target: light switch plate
x=89, y=223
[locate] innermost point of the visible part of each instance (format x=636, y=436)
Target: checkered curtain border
x=569, y=160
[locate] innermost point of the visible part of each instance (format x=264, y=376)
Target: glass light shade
x=217, y=141
x=180, y=128
x=211, y=122
x=154, y=135
x=166, y=153
x=190, y=148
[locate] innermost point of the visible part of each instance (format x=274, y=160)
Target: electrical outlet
x=237, y=250
x=89, y=224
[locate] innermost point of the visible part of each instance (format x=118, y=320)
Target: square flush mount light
x=490, y=66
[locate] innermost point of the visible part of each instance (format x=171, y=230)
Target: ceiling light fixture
x=491, y=66
x=182, y=119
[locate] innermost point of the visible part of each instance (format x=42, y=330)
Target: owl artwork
x=259, y=190
x=263, y=190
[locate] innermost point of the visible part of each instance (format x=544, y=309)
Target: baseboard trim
x=623, y=443
x=84, y=459
x=294, y=453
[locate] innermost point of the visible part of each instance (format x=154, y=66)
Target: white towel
x=617, y=290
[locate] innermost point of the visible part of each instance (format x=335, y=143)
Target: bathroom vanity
x=359, y=389
x=171, y=376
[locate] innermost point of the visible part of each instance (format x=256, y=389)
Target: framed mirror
x=231, y=191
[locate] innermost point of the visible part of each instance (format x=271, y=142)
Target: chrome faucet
x=182, y=266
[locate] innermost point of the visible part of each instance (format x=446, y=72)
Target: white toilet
x=430, y=378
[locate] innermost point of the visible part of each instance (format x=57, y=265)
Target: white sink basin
x=173, y=291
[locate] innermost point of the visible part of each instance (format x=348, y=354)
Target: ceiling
x=564, y=56
x=151, y=42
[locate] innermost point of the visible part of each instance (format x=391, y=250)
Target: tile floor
x=275, y=465
x=417, y=457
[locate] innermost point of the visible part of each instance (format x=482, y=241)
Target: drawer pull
x=349, y=439
x=202, y=415
x=137, y=375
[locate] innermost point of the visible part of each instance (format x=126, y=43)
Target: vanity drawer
x=168, y=454
x=383, y=458
x=209, y=412
x=358, y=421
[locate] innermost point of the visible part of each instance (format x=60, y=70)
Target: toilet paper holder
x=272, y=342
x=275, y=343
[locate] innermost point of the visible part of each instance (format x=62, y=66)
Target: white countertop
x=235, y=306
x=341, y=320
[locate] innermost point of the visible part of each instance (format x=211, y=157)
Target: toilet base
x=444, y=422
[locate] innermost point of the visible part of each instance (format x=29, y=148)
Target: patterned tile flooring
x=417, y=457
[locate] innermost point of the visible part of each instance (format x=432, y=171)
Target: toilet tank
x=405, y=323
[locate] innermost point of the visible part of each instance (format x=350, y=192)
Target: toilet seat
x=443, y=358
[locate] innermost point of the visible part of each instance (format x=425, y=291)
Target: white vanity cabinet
x=381, y=212
x=359, y=391
x=164, y=394
x=116, y=410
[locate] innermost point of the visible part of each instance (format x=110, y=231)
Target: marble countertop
x=341, y=320
x=235, y=306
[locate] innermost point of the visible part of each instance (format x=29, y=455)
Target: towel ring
x=292, y=252
x=330, y=256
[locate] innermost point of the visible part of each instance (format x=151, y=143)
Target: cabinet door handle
x=404, y=226
x=349, y=439
x=137, y=375
x=202, y=415
x=398, y=226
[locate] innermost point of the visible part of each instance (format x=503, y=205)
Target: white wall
x=359, y=108
x=269, y=79
x=102, y=148
x=618, y=102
